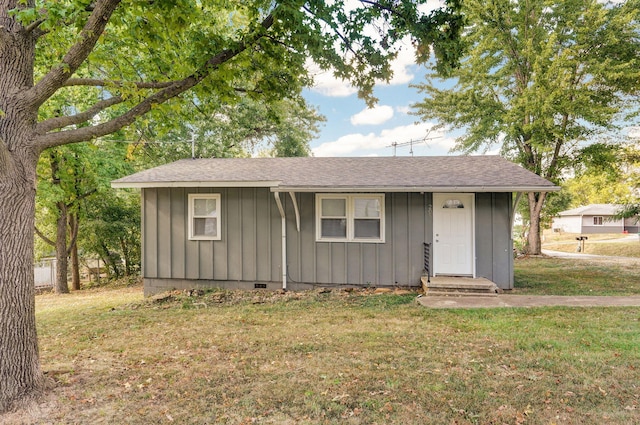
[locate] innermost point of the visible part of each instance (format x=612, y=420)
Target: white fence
x=45, y=273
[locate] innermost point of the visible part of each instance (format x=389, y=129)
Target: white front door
x=453, y=240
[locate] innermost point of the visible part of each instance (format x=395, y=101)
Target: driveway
x=600, y=258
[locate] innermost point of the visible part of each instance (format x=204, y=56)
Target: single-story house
x=594, y=218
x=296, y=223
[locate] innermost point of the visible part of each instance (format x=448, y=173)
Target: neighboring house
x=303, y=222
x=594, y=218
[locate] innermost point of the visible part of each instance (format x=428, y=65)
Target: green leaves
x=248, y=127
x=263, y=50
x=538, y=75
x=539, y=79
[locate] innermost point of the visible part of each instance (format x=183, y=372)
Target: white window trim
x=350, y=203
x=192, y=197
x=595, y=219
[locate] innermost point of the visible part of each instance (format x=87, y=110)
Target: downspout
x=276, y=195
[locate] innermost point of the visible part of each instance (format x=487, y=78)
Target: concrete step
x=461, y=294
x=458, y=286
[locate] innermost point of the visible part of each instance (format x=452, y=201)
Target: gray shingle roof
x=593, y=209
x=427, y=173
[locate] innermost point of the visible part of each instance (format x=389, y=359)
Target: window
x=204, y=216
x=334, y=218
x=597, y=221
x=344, y=218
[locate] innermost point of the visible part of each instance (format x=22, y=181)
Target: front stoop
x=459, y=286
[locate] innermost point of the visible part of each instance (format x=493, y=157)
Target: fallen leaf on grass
x=386, y=408
x=340, y=397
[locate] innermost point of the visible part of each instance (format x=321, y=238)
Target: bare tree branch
x=81, y=197
x=88, y=38
x=33, y=25
x=379, y=6
x=61, y=122
x=95, y=82
x=43, y=237
x=347, y=43
x=75, y=228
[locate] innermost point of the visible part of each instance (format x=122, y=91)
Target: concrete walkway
x=509, y=301
x=581, y=256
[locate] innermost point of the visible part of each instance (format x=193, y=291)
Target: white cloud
x=633, y=132
x=401, y=66
x=431, y=5
x=358, y=144
x=374, y=116
x=403, y=109
x=348, y=144
x=327, y=84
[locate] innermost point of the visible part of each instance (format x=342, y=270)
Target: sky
x=352, y=129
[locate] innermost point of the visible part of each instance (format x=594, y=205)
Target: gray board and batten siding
x=249, y=250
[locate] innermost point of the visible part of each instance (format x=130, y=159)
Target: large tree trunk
x=534, y=244
x=61, y=285
x=75, y=268
x=73, y=250
x=62, y=257
x=20, y=374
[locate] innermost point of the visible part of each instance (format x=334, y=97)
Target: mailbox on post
x=581, y=240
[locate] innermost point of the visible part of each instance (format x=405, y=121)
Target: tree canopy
x=606, y=173
x=538, y=80
x=130, y=59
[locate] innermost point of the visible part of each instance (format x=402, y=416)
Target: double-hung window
x=204, y=216
x=350, y=218
x=598, y=220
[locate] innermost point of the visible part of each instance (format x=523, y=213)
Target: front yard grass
x=558, y=276
x=330, y=358
x=618, y=245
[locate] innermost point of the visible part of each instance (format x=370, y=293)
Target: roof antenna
x=411, y=142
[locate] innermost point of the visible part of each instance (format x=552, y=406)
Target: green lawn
x=556, y=276
x=598, y=244
x=330, y=358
